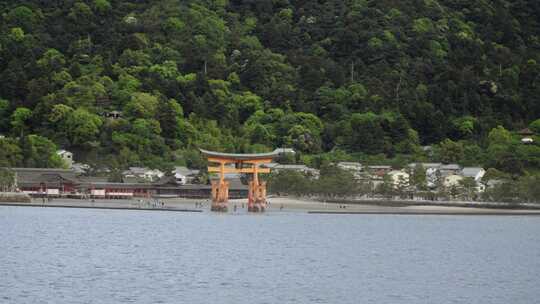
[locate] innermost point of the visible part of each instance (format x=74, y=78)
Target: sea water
x=57, y=255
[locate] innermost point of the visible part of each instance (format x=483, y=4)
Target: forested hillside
x=340, y=78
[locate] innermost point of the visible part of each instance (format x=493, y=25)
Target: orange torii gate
x=243, y=163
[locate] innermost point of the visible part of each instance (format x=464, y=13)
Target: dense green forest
x=368, y=80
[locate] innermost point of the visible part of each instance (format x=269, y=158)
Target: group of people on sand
x=199, y=205
x=148, y=204
x=235, y=207
x=48, y=198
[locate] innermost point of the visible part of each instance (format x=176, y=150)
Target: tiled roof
x=471, y=171
x=450, y=167
x=380, y=167
x=50, y=177
x=425, y=165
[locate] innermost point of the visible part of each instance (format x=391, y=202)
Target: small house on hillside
x=525, y=132
x=526, y=136
x=66, y=156
x=375, y=174
x=143, y=173
x=399, y=178
x=432, y=172
x=527, y=140
x=452, y=180
x=80, y=168
x=354, y=167
x=449, y=169
x=426, y=166
x=112, y=115
x=475, y=172
x=311, y=172
x=184, y=176
x=378, y=172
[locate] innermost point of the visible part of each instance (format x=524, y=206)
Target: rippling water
x=50, y=255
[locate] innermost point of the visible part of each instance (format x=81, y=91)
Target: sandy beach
x=276, y=204
x=322, y=207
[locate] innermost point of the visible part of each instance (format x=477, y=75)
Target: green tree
x=364, y=133
x=10, y=153
x=82, y=126
x=464, y=126
x=141, y=105
x=528, y=189
x=20, y=120
x=469, y=187
x=7, y=180
x=40, y=152
x=288, y=182
x=535, y=126
x=52, y=61
x=418, y=177
x=60, y=113
x=84, y=92
x=451, y=151
x=102, y=6
x=169, y=115
x=301, y=139
x=4, y=108
x=23, y=16
x=499, y=136
x=386, y=188
x=506, y=191
x=334, y=181
x=17, y=34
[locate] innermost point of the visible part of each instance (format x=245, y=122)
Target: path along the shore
x=276, y=204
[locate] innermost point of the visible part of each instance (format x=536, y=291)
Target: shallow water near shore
x=56, y=255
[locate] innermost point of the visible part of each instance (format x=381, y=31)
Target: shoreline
x=318, y=207
x=96, y=207
x=427, y=212
x=276, y=205
x=404, y=203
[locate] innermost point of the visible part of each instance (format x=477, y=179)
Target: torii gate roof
x=248, y=156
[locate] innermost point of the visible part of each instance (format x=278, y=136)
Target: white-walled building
x=80, y=168
x=399, y=177
x=183, y=175
x=144, y=173
x=66, y=156
x=475, y=172
x=527, y=140
x=452, y=180
x=426, y=166
x=449, y=169
x=432, y=172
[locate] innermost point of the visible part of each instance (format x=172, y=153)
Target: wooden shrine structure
x=240, y=163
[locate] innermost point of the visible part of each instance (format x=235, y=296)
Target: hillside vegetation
x=372, y=80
